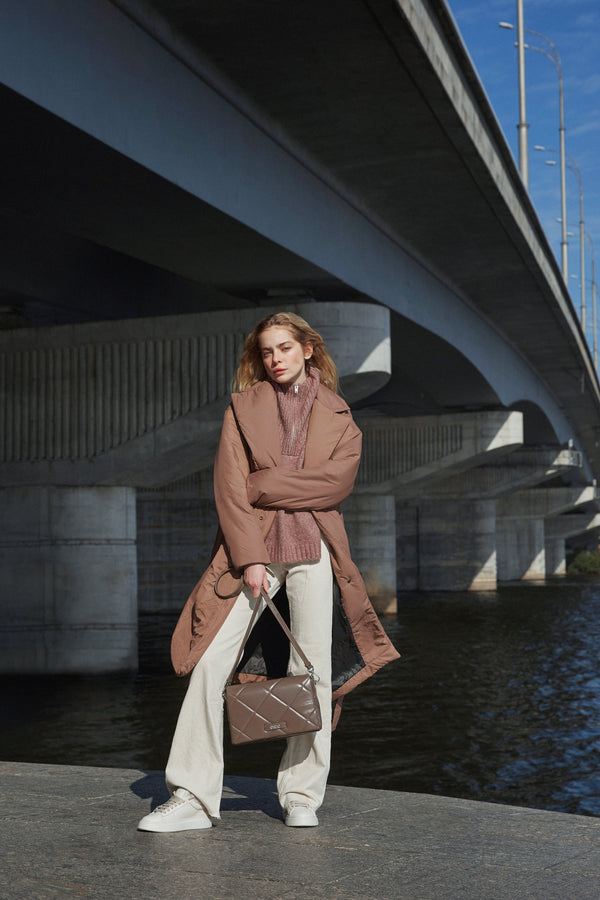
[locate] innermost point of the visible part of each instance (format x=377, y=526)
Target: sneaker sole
x=165, y=828
x=304, y=821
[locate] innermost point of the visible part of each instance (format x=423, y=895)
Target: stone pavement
x=71, y=832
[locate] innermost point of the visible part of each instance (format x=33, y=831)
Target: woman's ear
x=308, y=350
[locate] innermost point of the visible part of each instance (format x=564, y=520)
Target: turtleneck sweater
x=294, y=536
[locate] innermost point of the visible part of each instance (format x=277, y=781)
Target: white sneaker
x=300, y=815
x=179, y=813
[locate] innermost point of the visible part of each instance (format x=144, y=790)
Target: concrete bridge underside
x=169, y=165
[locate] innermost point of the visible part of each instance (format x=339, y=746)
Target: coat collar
x=256, y=413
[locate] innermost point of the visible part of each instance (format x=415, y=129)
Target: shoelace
x=167, y=807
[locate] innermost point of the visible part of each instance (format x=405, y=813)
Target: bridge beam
x=408, y=456
x=140, y=402
x=518, y=470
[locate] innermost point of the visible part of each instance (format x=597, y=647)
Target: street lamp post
x=574, y=168
x=553, y=55
x=522, y=126
x=594, y=314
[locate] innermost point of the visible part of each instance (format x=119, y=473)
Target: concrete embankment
x=69, y=831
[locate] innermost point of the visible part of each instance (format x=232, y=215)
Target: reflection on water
x=496, y=697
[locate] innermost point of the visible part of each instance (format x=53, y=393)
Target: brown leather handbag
x=277, y=707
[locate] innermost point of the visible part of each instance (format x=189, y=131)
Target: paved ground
x=71, y=832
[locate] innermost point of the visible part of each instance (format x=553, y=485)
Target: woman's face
x=283, y=356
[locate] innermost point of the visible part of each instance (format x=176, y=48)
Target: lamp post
x=594, y=318
x=553, y=55
x=522, y=127
x=574, y=168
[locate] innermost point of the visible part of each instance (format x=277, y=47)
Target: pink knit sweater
x=294, y=536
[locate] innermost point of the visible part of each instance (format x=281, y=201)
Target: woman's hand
x=255, y=577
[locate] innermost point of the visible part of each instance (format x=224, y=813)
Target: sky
x=573, y=26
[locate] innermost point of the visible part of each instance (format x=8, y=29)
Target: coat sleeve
x=236, y=515
x=314, y=488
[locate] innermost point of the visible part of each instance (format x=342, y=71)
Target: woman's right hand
x=255, y=577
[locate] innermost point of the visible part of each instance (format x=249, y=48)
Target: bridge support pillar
x=448, y=545
x=521, y=549
x=68, y=580
x=176, y=526
x=407, y=546
x=524, y=527
x=371, y=524
x=558, y=529
x=556, y=556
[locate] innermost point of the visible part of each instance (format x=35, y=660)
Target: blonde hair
x=251, y=369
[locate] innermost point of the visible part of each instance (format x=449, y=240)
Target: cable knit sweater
x=294, y=536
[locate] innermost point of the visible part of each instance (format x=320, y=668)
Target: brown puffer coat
x=250, y=484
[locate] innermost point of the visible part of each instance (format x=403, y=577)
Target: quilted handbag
x=277, y=707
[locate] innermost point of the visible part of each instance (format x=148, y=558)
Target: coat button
x=261, y=517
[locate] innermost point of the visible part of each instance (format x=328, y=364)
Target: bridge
x=174, y=172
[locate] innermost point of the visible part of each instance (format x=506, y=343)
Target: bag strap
x=285, y=628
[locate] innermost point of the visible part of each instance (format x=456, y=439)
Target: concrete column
x=407, y=547
x=176, y=526
x=521, y=549
x=559, y=528
x=371, y=524
x=457, y=545
x=68, y=580
x=556, y=556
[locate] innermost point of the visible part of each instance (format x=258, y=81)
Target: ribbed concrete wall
x=391, y=449
x=75, y=402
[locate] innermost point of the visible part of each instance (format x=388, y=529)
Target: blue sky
x=574, y=27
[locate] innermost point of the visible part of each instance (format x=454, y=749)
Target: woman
x=288, y=455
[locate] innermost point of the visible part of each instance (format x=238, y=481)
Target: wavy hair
x=251, y=369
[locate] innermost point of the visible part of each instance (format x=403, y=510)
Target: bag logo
x=275, y=726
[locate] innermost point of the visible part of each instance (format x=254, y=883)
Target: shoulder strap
x=287, y=631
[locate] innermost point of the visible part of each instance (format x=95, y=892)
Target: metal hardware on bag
x=234, y=593
x=313, y=675
x=311, y=672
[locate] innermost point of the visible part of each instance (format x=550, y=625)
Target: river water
x=496, y=697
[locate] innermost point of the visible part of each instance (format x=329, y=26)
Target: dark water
x=496, y=697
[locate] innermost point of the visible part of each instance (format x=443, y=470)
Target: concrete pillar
x=559, y=528
x=68, y=580
x=457, y=545
x=371, y=524
x=176, y=526
x=407, y=547
x=521, y=549
x=556, y=556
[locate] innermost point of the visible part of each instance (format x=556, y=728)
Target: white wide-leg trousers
x=196, y=758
